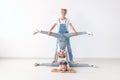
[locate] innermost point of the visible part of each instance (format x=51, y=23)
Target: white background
x=19, y=18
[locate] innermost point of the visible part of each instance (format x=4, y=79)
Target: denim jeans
x=63, y=40
x=56, y=64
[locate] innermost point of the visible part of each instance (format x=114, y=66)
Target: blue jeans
x=64, y=37
x=68, y=48
x=70, y=64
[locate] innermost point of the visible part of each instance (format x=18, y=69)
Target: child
x=63, y=68
x=62, y=39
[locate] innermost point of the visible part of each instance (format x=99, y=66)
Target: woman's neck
x=63, y=18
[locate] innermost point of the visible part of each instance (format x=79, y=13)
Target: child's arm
x=71, y=71
x=54, y=70
x=57, y=70
x=49, y=32
x=56, y=59
x=66, y=56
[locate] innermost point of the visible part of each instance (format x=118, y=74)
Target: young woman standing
x=63, y=24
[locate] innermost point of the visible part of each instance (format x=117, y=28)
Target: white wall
x=19, y=18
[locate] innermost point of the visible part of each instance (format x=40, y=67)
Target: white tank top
x=60, y=59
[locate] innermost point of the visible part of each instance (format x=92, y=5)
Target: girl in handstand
x=62, y=55
x=62, y=39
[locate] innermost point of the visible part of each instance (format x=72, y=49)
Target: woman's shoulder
x=67, y=18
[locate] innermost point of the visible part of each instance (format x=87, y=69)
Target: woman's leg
x=56, y=50
x=79, y=65
x=56, y=64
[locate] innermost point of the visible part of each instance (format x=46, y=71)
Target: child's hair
x=61, y=56
x=63, y=63
x=63, y=9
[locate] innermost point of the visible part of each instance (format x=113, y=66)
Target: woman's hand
x=75, y=33
x=49, y=33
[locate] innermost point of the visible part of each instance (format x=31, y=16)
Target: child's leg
x=56, y=50
x=72, y=34
x=57, y=35
x=69, y=50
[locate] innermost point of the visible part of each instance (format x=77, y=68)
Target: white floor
x=23, y=69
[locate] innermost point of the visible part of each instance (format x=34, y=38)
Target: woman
x=63, y=24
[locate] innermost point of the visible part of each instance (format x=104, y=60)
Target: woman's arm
x=49, y=32
x=71, y=26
